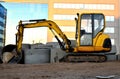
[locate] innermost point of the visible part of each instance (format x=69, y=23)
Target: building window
x=109, y=30
x=1, y=24
x=63, y=17
x=113, y=41
x=1, y=40
x=69, y=6
x=1, y=27
x=110, y=18
x=1, y=31
x=99, y=6
x=2, y=15
x=54, y=39
x=1, y=36
x=84, y=6
x=2, y=20
x=2, y=10
x=1, y=44
x=68, y=28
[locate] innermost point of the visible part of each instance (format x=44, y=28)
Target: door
x=86, y=30
x=91, y=25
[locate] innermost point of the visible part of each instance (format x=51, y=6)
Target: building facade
x=3, y=14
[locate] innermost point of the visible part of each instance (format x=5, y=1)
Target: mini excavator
x=90, y=40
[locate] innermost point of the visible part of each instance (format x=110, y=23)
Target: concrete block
x=112, y=54
x=111, y=57
x=56, y=54
x=26, y=46
x=37, y=56
x=54, y=44
x=118, y=57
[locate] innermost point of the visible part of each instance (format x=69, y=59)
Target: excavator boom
x=42, y=23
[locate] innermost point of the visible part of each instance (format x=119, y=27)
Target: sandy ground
x=82, y=70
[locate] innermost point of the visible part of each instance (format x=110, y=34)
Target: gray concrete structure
x=37, y=53
x=51, y=53
x=37, y=56
x=118, y=57
x=56, y=54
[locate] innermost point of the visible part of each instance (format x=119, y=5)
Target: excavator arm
x=42, y=23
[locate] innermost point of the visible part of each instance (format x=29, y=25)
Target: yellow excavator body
x=89, y=36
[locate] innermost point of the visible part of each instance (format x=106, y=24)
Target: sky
x=25, y=11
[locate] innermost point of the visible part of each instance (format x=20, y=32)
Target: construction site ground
x=81, y=70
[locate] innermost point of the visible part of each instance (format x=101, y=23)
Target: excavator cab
x=91, y=24
x=90, y=34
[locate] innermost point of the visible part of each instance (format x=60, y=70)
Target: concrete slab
x=112, y=54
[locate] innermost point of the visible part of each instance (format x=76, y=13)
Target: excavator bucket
x=9, y=54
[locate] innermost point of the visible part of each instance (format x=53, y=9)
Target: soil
x=81, y=70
